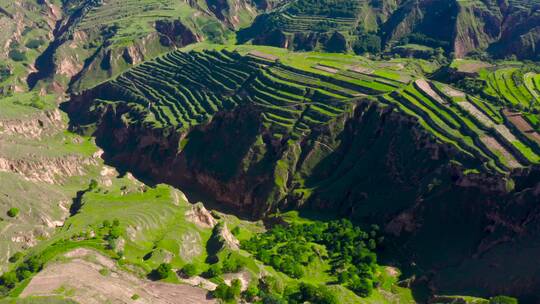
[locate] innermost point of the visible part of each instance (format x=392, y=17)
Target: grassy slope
x=37, y=200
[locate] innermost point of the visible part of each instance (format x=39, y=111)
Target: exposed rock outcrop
x=44, y=123
x=200, y=216
x=45, y=169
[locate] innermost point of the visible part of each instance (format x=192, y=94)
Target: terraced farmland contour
x=184, y=89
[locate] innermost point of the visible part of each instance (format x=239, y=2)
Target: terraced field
x=518, y=89
x=302, y=23
x=184, y=89
x=472, y=125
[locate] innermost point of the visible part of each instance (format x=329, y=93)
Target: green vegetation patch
x=345, y=248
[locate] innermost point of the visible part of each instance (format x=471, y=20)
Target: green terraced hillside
x=261, y=129
x=181, y=90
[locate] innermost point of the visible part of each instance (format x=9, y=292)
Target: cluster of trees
x=324, y=25
x=472, y=85
x=289, y=249
x=230, y=264
x=327, y=8
x=24, y=271
x=228, y=293
x=268, y=290
x=286, y=249
x=110, y=232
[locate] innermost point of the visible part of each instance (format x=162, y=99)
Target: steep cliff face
x=331, y=168
x=501, y=27
x=26, y=26
x=520, y=31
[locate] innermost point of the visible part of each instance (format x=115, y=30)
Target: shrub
x=93, y=185
x=13, y=212
x=37, y=102
x=104, y=272
x=135, y=297
x=189, y=270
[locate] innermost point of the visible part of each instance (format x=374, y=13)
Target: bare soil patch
x=361, y=70
x=474, y=111
x=472, y=67
x=452, y=92
x=494, y=145
x=325, y=68
x=262, y=55
x=424, y=86
x=86, y=285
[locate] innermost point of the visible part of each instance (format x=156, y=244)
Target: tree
x=17, y=55
x=214, y=271
x=34, y=43
x=162, y=271
x=9, y=279
x=361, y=286
x=251, y=292
x=16, y=257
x=336, y=44
x=222, y=292
x=13, y=212
x=367, y=43
x=235, y=289
x=232, y=264
x=189, y=270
